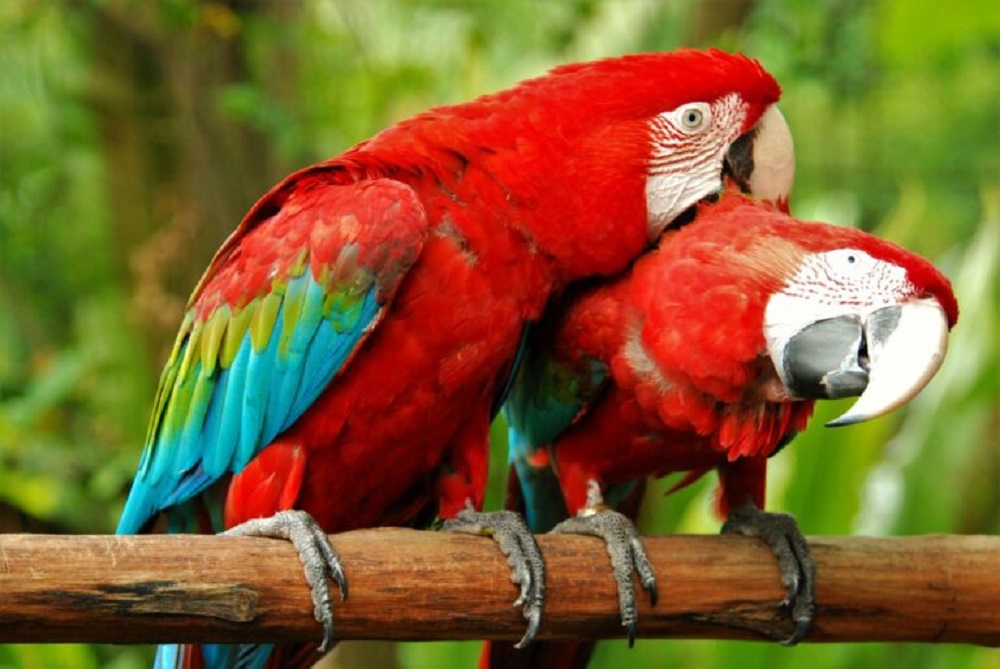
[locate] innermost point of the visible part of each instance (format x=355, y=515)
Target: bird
x=709, y=353
x=342, y=357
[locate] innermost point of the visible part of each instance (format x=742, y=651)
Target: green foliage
x=894, y=107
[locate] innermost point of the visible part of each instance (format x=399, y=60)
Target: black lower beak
x=830, y=359
x=738, y=163
x=885, y=357
x=827, y=360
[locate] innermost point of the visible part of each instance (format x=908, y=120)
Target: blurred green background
x=135, y=134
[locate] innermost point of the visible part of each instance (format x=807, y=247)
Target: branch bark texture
x=410, y=585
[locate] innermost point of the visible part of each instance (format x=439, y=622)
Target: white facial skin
x=850, y=282
x=834, y=283
x=685, y=165
x=689, y=148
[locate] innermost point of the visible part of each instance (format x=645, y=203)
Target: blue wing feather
x=260, y=370
x=247, y=656
x=329, y=345
x=544, y=401
x=286, y=302
x=235, y=427
x=225, y=407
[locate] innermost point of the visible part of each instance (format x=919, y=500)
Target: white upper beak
x=773, y=158
x=902, y=360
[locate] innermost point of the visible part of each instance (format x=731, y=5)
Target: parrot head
x=706, y=116
x=703, y=136
x=747, y=302
x=592, y=161
x=675, y=125
x=859, y=316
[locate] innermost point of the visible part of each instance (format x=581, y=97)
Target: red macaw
x=708, y=354
x=346, y=350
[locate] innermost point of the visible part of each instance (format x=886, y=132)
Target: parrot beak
x=762, y=161
x=886, y=357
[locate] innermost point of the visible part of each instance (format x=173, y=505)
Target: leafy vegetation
x=136, y=134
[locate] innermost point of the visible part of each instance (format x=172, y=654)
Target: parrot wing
x=564, y=372
x=547, y=396
x=287, y=301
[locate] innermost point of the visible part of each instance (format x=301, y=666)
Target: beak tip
x=906, y=355
x=847, y=419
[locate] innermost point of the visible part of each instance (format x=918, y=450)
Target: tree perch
x=409, y=585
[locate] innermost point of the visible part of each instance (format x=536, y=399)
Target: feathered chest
x=736, y=407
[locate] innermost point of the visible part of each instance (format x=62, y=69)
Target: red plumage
x=671, y=368
x=682, y=332
x=502, y=239
x=466, y=218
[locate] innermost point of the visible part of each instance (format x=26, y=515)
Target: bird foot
x=316, y=554
x=795, y=561
x=628, y=557
x=516, y=542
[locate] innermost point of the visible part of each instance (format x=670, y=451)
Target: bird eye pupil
x=850, y=259
x=692, y=118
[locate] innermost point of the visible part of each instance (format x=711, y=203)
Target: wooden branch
x=409, y=585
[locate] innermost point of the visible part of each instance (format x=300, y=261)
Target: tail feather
x=535, y=494
x=547, y=654
x=235, y=656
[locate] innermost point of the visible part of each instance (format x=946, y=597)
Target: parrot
x=709, y=353
x=341, y=359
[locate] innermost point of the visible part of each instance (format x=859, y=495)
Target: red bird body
x=688, y=385
x=497, y=246
x=345, y=350
x=691, y=391
x=693, y=359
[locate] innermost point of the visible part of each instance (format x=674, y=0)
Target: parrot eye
x=850, y=262
x=694, y=117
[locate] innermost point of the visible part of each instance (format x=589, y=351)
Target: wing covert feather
x=545, y=399
x=286, y=303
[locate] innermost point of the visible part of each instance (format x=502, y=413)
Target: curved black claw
x=316, y=554
x=517, y=543
x=628, y=557
x=795, y=561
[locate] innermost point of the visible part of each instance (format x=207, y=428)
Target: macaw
x=343, y=355
x=709, y=353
